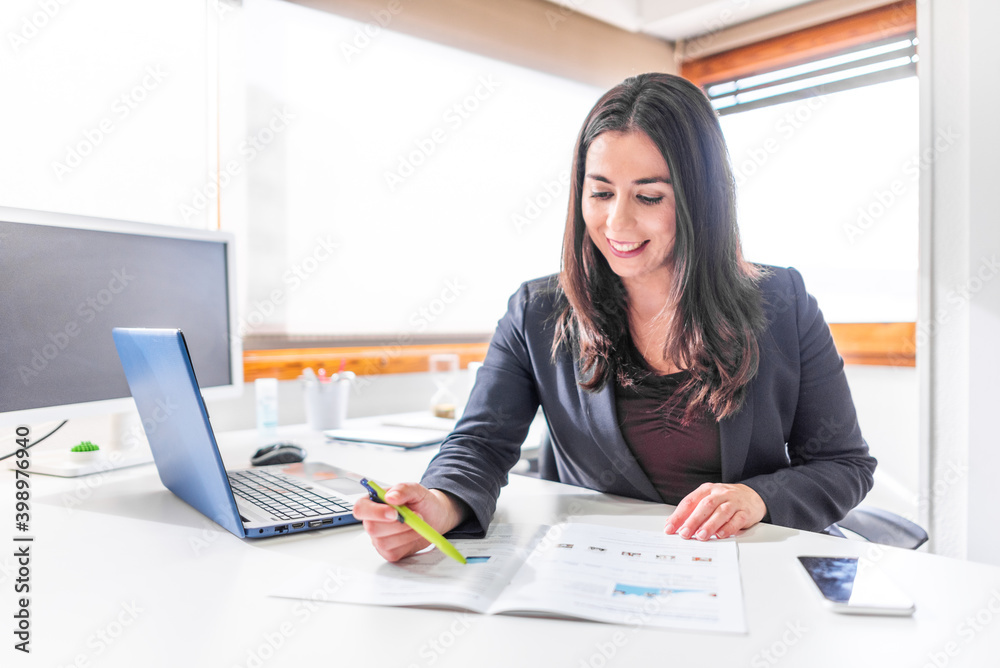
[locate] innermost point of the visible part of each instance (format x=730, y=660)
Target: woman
x=669, y=369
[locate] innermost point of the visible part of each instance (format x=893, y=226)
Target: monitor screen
x=69, y=280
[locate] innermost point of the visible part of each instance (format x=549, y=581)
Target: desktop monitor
x=68, y=280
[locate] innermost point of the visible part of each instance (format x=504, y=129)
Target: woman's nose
x=619, y=216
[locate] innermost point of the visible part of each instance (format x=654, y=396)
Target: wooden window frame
x=288, y=363
x=802, y=46
x=876, y=343
x=883, y=344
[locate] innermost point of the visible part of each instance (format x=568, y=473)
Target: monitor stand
x=127, y=446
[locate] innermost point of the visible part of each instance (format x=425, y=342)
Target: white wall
x=959, y=325
x=108, y=108
x=886, y=399
x=371, y=395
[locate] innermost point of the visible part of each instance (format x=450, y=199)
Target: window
x=890, y=59
x=828, y=184
x=822, y=130
x=412, y=189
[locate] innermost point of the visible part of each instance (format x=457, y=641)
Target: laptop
x=250, y=503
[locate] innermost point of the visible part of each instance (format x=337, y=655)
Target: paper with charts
x=571, y=570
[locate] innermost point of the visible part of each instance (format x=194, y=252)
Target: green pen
x=414, y=521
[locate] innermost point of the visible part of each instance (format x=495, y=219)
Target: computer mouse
x=278, y=453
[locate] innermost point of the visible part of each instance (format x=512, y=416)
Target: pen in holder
x=326, y=398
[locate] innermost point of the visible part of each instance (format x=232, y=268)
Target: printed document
x=570, y=570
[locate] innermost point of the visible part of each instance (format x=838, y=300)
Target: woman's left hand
x=716, y=509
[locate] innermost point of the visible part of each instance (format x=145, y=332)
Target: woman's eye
x=600, y=195
x=650, y=200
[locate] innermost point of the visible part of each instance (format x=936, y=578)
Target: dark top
x=795, y=441
x=676, y=457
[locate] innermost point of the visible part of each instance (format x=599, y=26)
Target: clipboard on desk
x=391, y=435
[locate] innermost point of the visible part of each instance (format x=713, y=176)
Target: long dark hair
x=715, y=298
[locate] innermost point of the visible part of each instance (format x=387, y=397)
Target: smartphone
x=856, y=586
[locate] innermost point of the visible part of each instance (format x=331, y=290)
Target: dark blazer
x=795, y=440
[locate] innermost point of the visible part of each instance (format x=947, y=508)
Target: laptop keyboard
x=282, y=497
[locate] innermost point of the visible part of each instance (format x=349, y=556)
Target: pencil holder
x=326, y=403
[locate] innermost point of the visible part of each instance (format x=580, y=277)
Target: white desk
x=125, y=574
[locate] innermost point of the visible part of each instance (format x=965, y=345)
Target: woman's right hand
x=393, y=539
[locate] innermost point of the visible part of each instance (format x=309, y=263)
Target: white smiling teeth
x=624, y=248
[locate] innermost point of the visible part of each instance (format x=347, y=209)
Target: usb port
x=315, y=523
x=298, y=525
x=328, y=520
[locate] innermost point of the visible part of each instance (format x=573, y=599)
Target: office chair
x=873, y=524
x=881, y=526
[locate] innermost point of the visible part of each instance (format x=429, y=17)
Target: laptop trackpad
x=339, y=480
x=343, y=486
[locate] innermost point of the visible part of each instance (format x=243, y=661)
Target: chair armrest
x=886, y=528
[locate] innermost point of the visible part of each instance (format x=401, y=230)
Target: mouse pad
x=338, y=479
